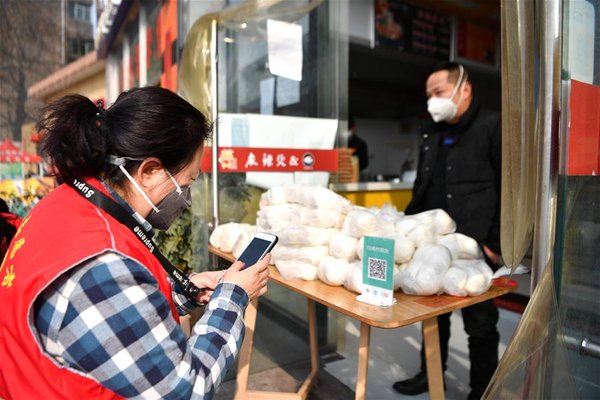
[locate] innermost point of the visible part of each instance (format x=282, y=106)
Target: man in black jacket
x=459, y=171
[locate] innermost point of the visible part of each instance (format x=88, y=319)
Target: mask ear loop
x=178, y=189
x=119, y=161
x=459, y=83
x=139, y=188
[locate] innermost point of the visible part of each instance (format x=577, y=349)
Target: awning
x=10, y=153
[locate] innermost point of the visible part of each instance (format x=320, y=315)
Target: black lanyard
x=104, y=202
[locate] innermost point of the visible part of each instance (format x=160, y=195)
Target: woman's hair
x=143, y=122
x=7, y=230
x=3, y=206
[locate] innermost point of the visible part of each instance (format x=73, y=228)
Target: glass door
x=577, y=250
x=273, y=75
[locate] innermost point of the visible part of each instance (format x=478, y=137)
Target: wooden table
x=407, y=310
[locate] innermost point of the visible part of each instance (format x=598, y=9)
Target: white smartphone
x=261, y=244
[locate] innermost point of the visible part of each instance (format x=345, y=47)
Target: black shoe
x=413, y=386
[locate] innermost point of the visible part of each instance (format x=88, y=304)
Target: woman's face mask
x=443, y=108
x=171, y=207
x=164, y=213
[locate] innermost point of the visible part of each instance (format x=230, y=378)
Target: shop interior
x=386, y=89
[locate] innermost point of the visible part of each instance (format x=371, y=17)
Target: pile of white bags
x=321, y=236
x=232, y=237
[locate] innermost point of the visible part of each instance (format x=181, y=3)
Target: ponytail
x=143, y=122
x=76, y=140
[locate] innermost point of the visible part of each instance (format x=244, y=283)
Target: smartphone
x=261, y=244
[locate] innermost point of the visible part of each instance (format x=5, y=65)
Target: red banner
x=584, y=132
x=259, y=159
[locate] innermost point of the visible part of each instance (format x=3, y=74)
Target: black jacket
x=472, y=169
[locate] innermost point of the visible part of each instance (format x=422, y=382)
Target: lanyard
x=104, y=202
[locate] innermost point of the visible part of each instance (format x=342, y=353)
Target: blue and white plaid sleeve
x=108, y=319
x=182, y=303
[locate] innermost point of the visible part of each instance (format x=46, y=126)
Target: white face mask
x=442, y=108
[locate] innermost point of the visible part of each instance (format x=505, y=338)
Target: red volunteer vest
x=62, y=231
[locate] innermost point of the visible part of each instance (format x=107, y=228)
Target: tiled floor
x=280, y=358
x=394, y=355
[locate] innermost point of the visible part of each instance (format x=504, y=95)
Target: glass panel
x=255, y=96
x=261, y=87
x=134, y=53
x=555, y=352
x=154, y=64
x=577, y=272
x=260, y=91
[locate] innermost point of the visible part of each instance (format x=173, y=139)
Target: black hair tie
x=100, y=111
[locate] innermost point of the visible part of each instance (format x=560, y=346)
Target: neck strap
x=100, y=200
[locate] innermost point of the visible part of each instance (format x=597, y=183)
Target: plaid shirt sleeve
x=182, y=303
x=107, y=319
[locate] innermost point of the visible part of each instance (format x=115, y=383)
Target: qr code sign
x=377, y=269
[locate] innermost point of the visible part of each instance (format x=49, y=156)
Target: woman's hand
x=207, y=280
x=252, y=279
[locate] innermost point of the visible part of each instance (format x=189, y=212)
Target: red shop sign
x=584, y=133
x=263, y=159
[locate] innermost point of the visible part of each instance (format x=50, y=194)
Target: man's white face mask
x=443, y=108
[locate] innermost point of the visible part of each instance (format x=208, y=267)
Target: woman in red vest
x=88, y=309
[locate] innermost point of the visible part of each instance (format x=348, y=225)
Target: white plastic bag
x=293, y=269
x=333, y=271
x=422, y=235
x=438, y=219
x=275, y=195
x=225, y=236
x=359, y=222
x=467, y=278
x=300, y=235
x=276, y=214
x=406, y=224
x=461, y=246
x=425, y=273
x=343, y=246
x=319, y=217
x=403, y=248
x=307, y=254
x=243, y=240
x=353, y=280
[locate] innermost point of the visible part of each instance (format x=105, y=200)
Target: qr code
x=377, y=269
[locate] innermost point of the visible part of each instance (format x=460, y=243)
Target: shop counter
x=407, y=310
x=375, y=194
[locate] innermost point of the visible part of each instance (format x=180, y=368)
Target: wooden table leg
x=431, y=339
x=314, y=351
x=363, y=361
x=246, y=351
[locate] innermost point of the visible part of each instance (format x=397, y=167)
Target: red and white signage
x=259, y=159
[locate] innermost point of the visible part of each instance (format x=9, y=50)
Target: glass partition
x=555, y=352
x=281, y=81
x=577, y=254
x=279, y=86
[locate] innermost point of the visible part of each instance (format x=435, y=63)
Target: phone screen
x=254, y=251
